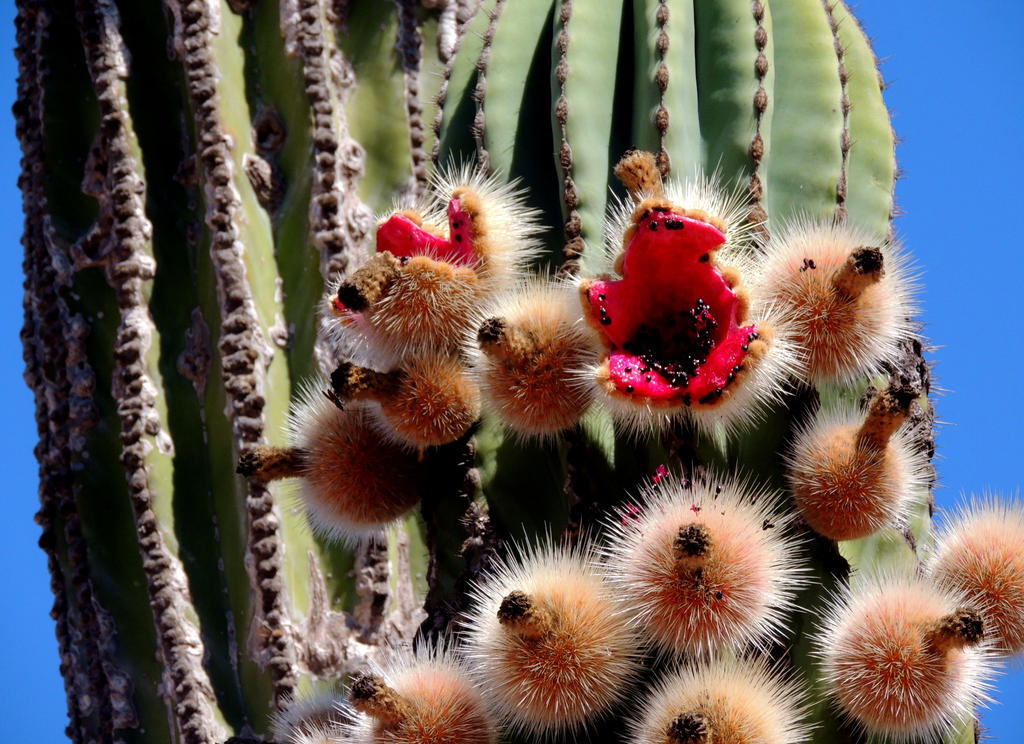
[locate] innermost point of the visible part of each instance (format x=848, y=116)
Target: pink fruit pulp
x=671, y=322
x=403, y=238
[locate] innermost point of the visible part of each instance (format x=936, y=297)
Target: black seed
x=603, y=310
x=628, y=370
x=458, y=238
x=606, y=320
x=705, y=258
x=653, y=226
x=719, y=594
x=600, y=296
x=745, y=347
x=648, y=378
x=674, y=224
x=629, y=388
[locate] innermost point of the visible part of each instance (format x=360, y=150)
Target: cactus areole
x=671, y=322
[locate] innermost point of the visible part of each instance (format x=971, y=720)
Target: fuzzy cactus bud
x=534, y=343
x=549, y=641
x=722, y=701
x=428, y=400
x=903, y=657
x=853, y=474
x=421, y=697
x=980, y=552
x=354, y=482
x=845, y=298
x=704, y=566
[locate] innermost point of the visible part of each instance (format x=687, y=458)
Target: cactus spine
x=199, y=175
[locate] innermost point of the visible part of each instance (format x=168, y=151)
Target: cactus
x=486, y=413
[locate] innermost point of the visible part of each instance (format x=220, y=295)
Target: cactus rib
x=339, y=222
x=728, y=81
x=44, y=324
x=583, y=85
x=807, y=122
x=871, y=168
x=480, y=89
x=570, y=197
x=456, y=109
x=844, y=104
x=128, y=269
x=410, y=49
x=241, y=339
x=755, y=187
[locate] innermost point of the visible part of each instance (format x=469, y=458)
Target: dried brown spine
x=661, y=80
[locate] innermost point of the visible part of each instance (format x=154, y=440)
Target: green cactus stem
x=200, y=180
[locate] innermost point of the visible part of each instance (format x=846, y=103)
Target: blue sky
x=954, y=75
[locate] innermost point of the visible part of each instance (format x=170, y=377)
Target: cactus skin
x=241, y=147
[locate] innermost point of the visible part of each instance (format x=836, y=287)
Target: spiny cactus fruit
x=200, y=245
x=426, y=697
x=904, y=658
x=728, y=700
x=852, y=474
x=707, y=566
x=978, y=553
x=550, y=642
x=427, y=282
x=848, y=301
x=675, y=327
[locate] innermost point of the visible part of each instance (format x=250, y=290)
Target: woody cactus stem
x=199, y=180
x=242, y=346
x=127, y=268
x=62, y=414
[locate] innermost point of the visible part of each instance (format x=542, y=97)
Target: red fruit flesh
x=671, y=322
x=404, y=238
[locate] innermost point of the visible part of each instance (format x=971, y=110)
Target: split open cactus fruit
x=588, y=435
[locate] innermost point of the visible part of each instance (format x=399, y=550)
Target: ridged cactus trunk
x=615, y=412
